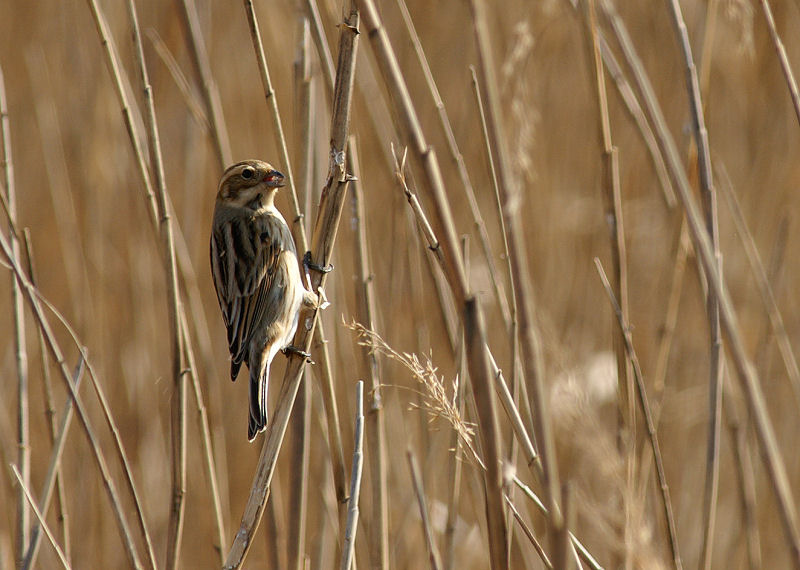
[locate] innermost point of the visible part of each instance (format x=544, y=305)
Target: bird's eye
x=248, y=173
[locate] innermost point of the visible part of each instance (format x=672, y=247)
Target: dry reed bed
x=529, y=210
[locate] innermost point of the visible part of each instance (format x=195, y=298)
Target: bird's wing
x=246, y=263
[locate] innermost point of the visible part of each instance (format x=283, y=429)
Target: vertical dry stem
x=202, y=67
x=376, y=428
x=419, y=491
x=331, y=410
x=324, y=236
x=178, y=400
x=709, y=201
x=529, y=337
x=21, y=355
x=349, y=548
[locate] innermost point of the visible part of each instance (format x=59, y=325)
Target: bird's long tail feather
x=259, y=382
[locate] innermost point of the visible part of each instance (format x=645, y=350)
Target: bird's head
x=245, y=181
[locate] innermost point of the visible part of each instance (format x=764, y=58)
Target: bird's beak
x=274, y=179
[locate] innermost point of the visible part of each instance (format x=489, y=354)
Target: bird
x=257, y=277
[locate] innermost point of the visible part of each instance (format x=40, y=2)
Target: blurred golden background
x=98, y=262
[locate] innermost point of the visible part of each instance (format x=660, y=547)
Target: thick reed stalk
x=324, y=236
x=329, y=399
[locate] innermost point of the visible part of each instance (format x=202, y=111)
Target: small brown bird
x=256, y=275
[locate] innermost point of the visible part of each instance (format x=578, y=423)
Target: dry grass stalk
x=762, y=282
x=709, y=201
x=324, y=236
x=62, y=557
x=454, y=464
x=425, y=161
x=348, y=550
x=434, y=262
x=33, y=300
x=786, y=68
x=178, y=400
x=161, y=216
x=458, y=159
x=648, y=417
x=514, y=327
x=580, y=549
x=528, y=533
x=423, y=156
x=612, y=199
x=211, y=98
x=54, y=466
x=746, y=374
x=488, y=424
x=50, y=414
x=300, y=427
x=637, y=114
x=529, y=337
x=419, y=491
x=376, y=428
x=20, y=351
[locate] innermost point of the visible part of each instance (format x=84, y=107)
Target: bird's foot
x=314, y=266
x=291, y=349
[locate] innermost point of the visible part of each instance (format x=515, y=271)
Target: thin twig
x=514, y=328
x=348, y=551
x=584, y=554
x=528, y=533
x=626, y=408
x=762, y=282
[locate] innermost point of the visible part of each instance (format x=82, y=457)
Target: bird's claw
x=291, y=349
x=316, y=267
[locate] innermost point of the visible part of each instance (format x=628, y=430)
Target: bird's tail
x=259, y=382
